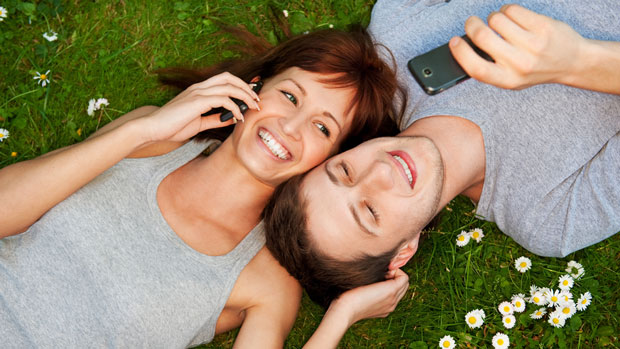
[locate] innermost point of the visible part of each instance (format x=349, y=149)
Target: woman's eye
x=323, y=128
x=290, y=97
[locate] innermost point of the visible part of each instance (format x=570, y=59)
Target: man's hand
x=372, y=301
x=530, y=49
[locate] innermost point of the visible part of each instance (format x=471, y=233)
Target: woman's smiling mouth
x=273, y=145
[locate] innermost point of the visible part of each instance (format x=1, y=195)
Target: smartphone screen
x=437, y=70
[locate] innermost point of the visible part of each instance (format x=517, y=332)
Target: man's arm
x=370, y=301
x=531, y=49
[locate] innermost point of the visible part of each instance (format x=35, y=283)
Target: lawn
x=110, y=49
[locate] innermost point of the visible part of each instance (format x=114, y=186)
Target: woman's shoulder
x=265, y=281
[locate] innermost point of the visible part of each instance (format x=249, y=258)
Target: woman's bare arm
x=30, y=188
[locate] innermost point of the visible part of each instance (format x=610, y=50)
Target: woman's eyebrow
x=325, y=113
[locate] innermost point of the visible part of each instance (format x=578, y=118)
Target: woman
x=134, y=238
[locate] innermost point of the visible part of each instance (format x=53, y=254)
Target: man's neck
x=461, y=146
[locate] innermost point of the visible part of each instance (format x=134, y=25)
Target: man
x=542, y=163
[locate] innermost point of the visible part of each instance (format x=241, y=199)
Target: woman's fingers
x=226, y=79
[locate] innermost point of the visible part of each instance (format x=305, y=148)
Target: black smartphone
x=227, y=114
x=437, y=70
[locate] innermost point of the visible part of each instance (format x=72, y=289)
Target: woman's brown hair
x=349, y=55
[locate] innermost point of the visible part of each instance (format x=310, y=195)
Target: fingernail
x=454, y=41
x=242, y=118
x=257, y=107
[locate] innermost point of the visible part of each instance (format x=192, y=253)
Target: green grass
x=110, y=49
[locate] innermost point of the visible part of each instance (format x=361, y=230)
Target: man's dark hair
x=324, y=278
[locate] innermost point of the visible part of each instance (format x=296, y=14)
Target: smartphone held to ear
x=437, y=70
x=226, y=114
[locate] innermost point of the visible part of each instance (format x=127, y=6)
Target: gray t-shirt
x=552, y=178
x=104, y=269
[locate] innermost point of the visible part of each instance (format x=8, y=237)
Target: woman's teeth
x=276, y=148
x=405, y=167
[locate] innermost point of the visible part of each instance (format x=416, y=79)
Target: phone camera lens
x=427, y=72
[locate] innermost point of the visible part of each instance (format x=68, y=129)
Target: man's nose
x=378, y=176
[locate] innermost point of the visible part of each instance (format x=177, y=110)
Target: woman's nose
x=291, y=126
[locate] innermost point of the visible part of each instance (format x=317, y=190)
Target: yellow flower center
x=538, y=313
x=506, y=308
x=475, y=235
x=556, y=321
x=566, y=310
x=565, y=283
x=461, y=238
x=518, y=304
x=523, y=264
x=584, y=301
x=472, y=320
x=507, y=320
x=1, y=135
x=446, y=344
x=500, y=341
x=14, y=154
x=554, y=298
x=536, y=299
x=43, y=76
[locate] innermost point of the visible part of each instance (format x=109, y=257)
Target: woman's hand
x=181, y=118
x=530, y=49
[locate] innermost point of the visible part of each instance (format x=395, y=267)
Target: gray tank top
x=104, y=269
x=552, y=178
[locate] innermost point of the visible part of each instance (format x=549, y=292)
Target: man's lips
x=406, y=166
x=272, y=143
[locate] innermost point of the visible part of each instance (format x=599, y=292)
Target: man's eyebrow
x=330, y=174
x=359, y=222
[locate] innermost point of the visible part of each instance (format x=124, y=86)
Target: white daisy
x=101, y=102
x=285, y=13
x=583, y=301
x=575, y=270
x=500, y=341
x=447, y=342
x=476, y=234
x=4, y=134
x=474, y=319
x=509, y=321
x=94, y=105
x=553, y=298
x=50, y=35
x=533, y=289
x=462, y=239
x=556, y=319
x=566, y=282
x=567, y=309
x=506, y=308
x=43, y=78
x=566, y=296
x=3, y=13
x=545, y=291
x=538, y=298
x=523, y=264
x=480, y=312
x=538, y=314
x=331, y=26
x=519, y=303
